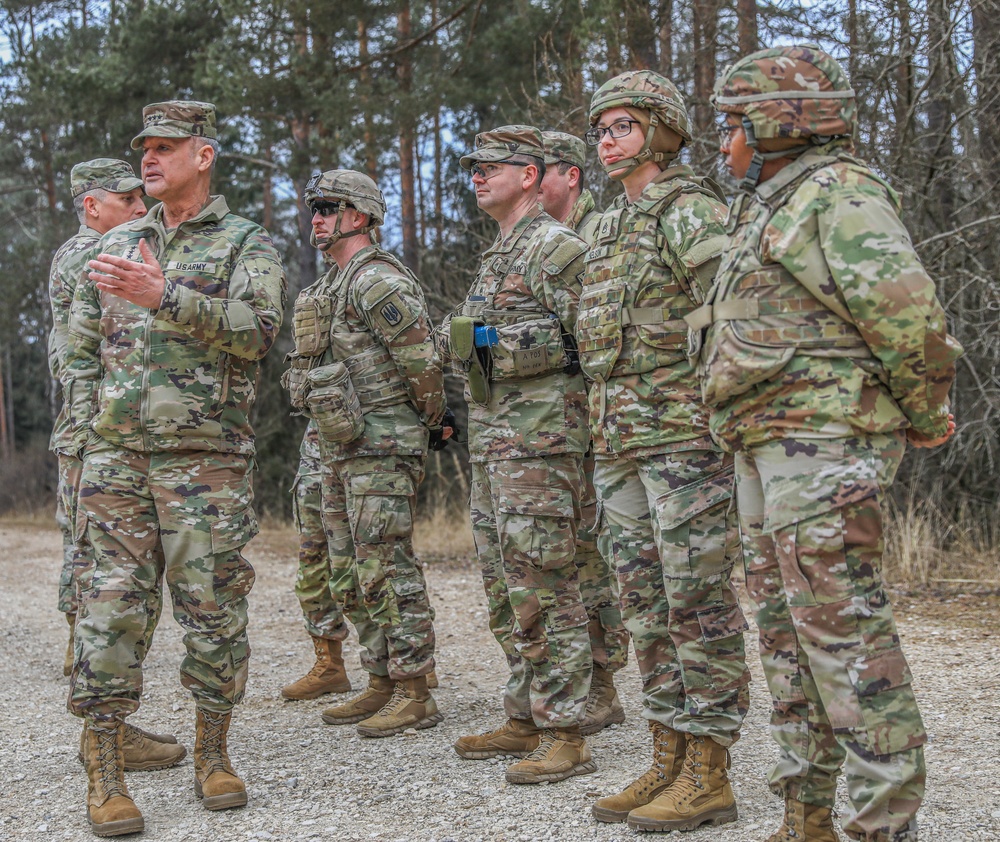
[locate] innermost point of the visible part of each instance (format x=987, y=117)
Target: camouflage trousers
x=183, y=516
x=811, y=516
x=76, y=557
x=674, y=542
x=525, y=515
x=368, y=506
x=320, y=610
x=598, y=585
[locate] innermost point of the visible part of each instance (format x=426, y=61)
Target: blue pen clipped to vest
x=485, y=336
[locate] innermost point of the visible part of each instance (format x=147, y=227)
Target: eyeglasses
x=325, y=209
x=619, y=128
x=494, y=169
x=725, y=131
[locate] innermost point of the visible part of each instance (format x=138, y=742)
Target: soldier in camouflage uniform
x=825, y=351
x=566, y=200
x=663, y=486
x=366, y=370
x=527, y=437
x=106, y=194
x=324, y=619
x=161, y=376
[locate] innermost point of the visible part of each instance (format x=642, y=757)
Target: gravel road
x=308, y=780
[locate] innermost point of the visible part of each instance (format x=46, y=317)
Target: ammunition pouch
x=333, y=404
x=296, y=379
x=312, y=318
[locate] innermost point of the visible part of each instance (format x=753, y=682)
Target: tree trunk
x=704, y=29
x=746, y=14
x=407, y=130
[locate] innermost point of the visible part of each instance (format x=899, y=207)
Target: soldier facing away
x=527, y=437
x=665, y=488
x=825, y=351
x=106, y=194
x=565, y=198
x=160, y=376
x=367, y=372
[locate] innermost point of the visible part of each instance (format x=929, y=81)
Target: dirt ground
x=307, y=780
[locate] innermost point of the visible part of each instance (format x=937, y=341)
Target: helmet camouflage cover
x=354, y=188
x=789, y=92
x=647, y=90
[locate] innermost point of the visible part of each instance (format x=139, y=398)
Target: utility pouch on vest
x=312, y=318
x=471, y=358
x=334, y=405
x=528, y=349
x=296, y=379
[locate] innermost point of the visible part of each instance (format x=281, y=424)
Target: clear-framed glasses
x=725, y=131
x=490, y=170
x=619, y=128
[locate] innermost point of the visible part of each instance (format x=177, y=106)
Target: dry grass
x=444, y=533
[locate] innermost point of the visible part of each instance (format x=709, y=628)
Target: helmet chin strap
x=749, y=182
x=626, y=166
x=337, y=234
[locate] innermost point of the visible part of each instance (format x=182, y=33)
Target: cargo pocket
x=382, y=507
x=692, y=527
x=722, y=631
x=406, y=602
x=537, y=523
x=235, y=531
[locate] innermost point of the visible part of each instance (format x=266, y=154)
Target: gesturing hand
x=141, y=283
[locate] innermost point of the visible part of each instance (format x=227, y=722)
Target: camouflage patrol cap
x=349, y=186
x=561, y=147
x=177, y=118
x=647, y=90
x=106, y=173
x=504, y=143
x=789, y=92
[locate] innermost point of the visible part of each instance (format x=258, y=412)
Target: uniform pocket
x=235, y=531
x=382, y=507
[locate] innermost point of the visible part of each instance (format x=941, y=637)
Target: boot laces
x=648, y=781
x=213, y=735
x=545, y=743
x=396, y=702
x=134, y=735
x=107, y=760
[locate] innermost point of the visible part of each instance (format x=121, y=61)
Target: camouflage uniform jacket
x=532, y=272
x=584, y=217
x=381, y=330
x=824, y=318
x=653, y=261
x=68, y=266
x=184, y=376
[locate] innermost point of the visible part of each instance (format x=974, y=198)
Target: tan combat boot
x=110, y=808
x=411, y=706
x=432, y=680
x=700, y=795
x=371, y=701
x=805, y=823
x=515, y=738
x=68, y=658
x=668, y=756
x=143, y=751
x=326, y=676
x=561, y=753
x=603, y=706
x=215, y=782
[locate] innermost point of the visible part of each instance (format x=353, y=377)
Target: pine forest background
x=398, y=89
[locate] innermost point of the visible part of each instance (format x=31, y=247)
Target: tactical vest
x=528, y=341
x=761, y=314
x=633, y=305
x=322, y=333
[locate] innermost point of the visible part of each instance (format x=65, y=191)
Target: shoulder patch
x=558, y=253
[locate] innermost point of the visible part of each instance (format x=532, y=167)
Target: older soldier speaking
x=527, y=436
x=161, y=373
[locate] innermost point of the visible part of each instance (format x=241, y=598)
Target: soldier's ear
x=206, y=157
x=91, y=207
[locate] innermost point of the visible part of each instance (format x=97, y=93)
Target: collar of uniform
x=214, y=211
x=508, y=242
x=673, y=172
x=581, y=207
x=786, y=175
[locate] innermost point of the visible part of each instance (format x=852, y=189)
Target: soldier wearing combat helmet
x=366, y=371
x=825, y=351
x=664, y=487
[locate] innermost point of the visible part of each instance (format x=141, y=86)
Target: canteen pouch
x=312, y=318
x=462, y=332
x=334, y=405
x=296, y=379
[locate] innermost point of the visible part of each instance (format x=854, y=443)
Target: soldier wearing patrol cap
x=366, y=371
x=564, y=197
x=527, y=436
x=106, y=193
x=664, y=487
x=160, y=377
x=825, y=351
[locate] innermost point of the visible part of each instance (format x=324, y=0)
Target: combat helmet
x=787, y=93
x=345, y=188
x=648, y=91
